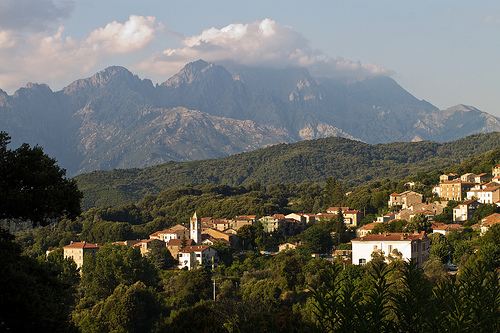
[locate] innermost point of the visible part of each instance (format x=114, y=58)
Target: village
x=192, y=245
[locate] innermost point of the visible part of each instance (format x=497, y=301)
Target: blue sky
x=446, y=52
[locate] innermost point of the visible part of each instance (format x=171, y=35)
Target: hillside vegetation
x=351, y=162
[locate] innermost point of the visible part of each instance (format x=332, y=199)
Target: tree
x=33, y=187
x=133, y=308
x=333, y=192
x=317, y=239
x=114, y=265
x=339, y=227
x=419, y=223
x=35, y=295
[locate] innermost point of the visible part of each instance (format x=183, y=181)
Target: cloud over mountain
x=52, y=57
x=265, y=43
x=43, y=57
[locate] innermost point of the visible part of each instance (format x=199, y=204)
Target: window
x=362, y=261
x=390, y=248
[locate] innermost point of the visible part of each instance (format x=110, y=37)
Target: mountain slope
x=114, y=119
x=351, y=162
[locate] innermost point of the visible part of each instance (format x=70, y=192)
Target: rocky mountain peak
x=462, y=108
x=195, y=72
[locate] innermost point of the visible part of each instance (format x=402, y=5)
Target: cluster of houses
x=193, y=246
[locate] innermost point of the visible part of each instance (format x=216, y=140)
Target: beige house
x=240, y=221
x=78, y=250
x=366, y=229
x=175, y=246
x=487, y=195
x=488, y=221
x=448, y=177
x=176, y=232
x=445, y=229
x=352, y=217
x=288, y=246
x=335, y=210
x=217, y=234
x=454, y=189
x=147, y=244
x=405, y=199
x=468, y=177
x=465, y=211
x=495, y=171
x=482, y=177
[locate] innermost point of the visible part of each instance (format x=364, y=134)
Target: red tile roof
x=196, y=248
x=82, y=245
x=178, y=242
x=391, y=237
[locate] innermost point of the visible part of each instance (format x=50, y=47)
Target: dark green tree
x=33, y=187
x=35, y=295
x=340, y=228
x=419, y=223
x=114, y=265
x=317, y=239
x=333, y=194
x=133, y=308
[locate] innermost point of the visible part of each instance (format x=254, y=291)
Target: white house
x=465, y=211
x=411, y=246
x=176, y=232
x=196, y=256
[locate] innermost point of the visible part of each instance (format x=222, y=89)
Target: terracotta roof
x=454, y=181
x=369, y=226
x=391, y=237
x=196, y=248
x=178, y=242
x=82, y=245
x=491, y=219
x=213, y=240
x=208, y=230
x=448, y=227
x=173, y=230
x=291, y=243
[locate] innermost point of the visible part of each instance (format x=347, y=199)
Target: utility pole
x=213, y=274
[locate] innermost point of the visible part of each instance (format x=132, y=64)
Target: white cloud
x=264, y=43
x=45, y=58
x=135, y=34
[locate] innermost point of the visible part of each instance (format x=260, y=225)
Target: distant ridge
x=115, y=119
x=314, y=161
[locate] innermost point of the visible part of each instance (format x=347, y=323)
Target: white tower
x=195, y=229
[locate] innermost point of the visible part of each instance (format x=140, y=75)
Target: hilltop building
x=78, y=250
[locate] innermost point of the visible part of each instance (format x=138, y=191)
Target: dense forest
x=352, y=162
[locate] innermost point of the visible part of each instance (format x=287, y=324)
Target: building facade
x=411, y=246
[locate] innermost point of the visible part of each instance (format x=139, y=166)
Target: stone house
x=78, y=250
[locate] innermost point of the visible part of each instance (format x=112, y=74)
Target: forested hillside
x=121, y=290
x=314, y=161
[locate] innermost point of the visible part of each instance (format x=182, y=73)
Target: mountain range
x=114, y=119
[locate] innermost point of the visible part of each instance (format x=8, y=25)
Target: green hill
x=352, y=162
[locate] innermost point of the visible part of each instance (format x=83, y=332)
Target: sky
x=446, y=52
